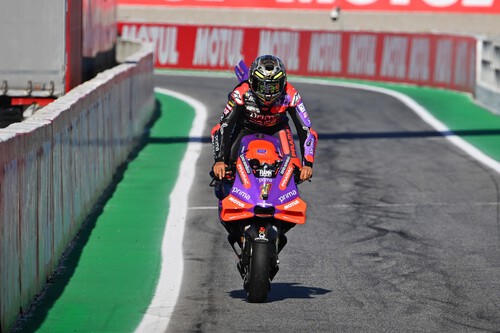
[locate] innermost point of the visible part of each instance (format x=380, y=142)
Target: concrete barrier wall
x=55, y=166
x=488, y=70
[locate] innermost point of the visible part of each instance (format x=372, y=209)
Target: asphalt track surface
x=403, y=232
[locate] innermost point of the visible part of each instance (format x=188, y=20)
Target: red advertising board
x=463, y=6
x=446, y=61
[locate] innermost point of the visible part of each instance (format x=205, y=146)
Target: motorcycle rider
x=262, y=104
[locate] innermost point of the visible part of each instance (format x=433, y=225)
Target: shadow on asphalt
x=283, y=291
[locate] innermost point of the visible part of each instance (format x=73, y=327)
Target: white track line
x=160, y=310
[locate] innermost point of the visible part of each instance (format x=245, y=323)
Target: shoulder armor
x=294, y=96
x=239, y=92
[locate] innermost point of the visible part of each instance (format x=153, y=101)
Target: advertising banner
x=462, y=6
x=436, y=60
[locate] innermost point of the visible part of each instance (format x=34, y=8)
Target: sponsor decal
x=468, y=6
x=295, y=99
x=394, y=57
x=237, y=97
x=227, y=109
x=216, y=143
x=438, y=60
x=245, y=164
x=265, y=173
x=285, y=165
x=287, y=195
x=291, y=143
x=286, y=177
x=252, y=108
x=442, y=70
x=291, y=204
x=460, y=76
x=263, y=120
x=419, y=67
x=264, y=191
x=301, y=107
x=415, y=4
x=241, y=193
x=163, y=38
x=262, y=233
x=218, y=47
x=237, y=202
x=325, y=53
x=284, y=44
x=362, y=55
x=243, y=175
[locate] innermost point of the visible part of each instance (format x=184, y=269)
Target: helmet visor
x=266, y=88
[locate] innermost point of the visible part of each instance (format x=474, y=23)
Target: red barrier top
x=457, y=6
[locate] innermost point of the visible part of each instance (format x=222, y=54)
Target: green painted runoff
x=109, y=278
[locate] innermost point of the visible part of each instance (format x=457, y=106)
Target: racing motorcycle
x=258, y=203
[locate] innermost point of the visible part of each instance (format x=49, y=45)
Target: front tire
x=257, y=283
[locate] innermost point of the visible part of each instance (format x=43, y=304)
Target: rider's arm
x=308, y=138
x=221, y=133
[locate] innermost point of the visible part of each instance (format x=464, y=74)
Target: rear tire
x=257, y=284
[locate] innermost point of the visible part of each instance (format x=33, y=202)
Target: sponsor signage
x=464, y=6
x=438, y=60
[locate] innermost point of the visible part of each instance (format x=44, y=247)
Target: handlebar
x=228, y=177
x=296, y=175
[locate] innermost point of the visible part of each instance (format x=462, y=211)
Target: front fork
x=262, y=231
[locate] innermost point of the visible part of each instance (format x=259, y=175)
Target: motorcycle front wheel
x=257, y=284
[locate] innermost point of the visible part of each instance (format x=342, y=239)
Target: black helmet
x=267, y=78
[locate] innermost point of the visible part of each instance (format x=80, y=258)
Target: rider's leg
x=285, y=227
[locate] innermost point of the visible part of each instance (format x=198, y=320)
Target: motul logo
x=362, y=60
x=408, y=3
x=325, y=53
x=218, y=47
x=237, y=202
x=291, y=204
x=164, y=39
x=394, y=57
x=465, y=6
x=284, y=44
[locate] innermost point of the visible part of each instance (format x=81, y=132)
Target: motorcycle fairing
x=293, y=211
x=273, y=195
x=235, y=209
